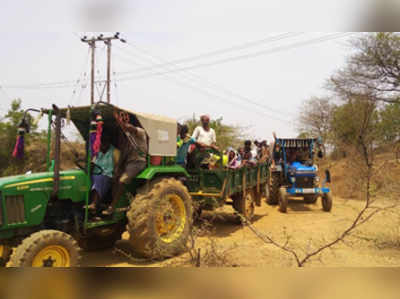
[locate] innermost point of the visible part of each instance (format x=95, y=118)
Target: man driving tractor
x=107, y=159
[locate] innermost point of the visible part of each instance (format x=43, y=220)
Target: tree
x=8, y=134
x=390, y=123
x=373, y=70
x=347, y=120
x=315, y=118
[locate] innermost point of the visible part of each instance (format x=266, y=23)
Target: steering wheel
x=93, y=166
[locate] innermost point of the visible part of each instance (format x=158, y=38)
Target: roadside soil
x=375, y=244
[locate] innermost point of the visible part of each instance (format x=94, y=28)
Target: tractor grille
x=304, y=182
x=1, y=210
x=15, y=209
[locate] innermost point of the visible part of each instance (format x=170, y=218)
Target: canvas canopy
x=161, y=131
x=162, y=134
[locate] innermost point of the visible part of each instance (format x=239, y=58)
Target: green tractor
x=44, y=217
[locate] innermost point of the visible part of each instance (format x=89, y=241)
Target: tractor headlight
x=317, y=179
x=292, y=179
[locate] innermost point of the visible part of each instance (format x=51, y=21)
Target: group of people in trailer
x=205, y=137
x=119, y=166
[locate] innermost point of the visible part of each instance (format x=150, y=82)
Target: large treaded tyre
x=274, y=186
x=160, y=221
x=5, y=254
x=327, y=202
x=47, y=248
x=245, y=205
x=102, y=237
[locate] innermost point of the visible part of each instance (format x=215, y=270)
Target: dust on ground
x=375, y=244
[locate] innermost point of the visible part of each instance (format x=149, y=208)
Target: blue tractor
x=295, y=174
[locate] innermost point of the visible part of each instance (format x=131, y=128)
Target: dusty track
x=375, y=244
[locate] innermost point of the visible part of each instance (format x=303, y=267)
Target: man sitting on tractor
x=106, y=160
x=133, y=160
x=205, y=135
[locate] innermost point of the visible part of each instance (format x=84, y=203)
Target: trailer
x=243, y=188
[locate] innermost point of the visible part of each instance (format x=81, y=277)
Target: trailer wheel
x=266, y=191
x=258, y=195
x=327, y=202
x=245, y=206
x=47, y=248
x=310, y=199
x=160, y=221
x=5, y=253
x=283, y=200
x=102, y=237
x=274, y=186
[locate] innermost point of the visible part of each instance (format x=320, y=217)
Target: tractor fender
x=150, y=172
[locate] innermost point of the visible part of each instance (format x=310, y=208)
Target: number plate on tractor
x=308, y=191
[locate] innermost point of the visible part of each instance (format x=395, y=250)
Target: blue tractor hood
x=300, y=169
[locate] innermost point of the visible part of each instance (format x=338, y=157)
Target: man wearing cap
x=204, y=134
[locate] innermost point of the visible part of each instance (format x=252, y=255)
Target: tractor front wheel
x=47, y=248
x=160, y=221
x=327, y=202
x=283, y=200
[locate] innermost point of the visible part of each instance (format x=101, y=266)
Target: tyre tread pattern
x=23, y=255
x=143, y=238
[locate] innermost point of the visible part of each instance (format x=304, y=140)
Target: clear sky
x=261, y=88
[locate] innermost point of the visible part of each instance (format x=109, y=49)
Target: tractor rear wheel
x=5, y=253
x=283, y=200
x=245, y=205
x=160, y=221
x=102, y=237
x=274, y=186
x=47, y=248
x=327, y=202
x=310, y=199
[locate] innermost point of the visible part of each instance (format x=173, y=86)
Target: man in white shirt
x=204, y=135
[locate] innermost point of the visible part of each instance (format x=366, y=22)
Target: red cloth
x=99, y=132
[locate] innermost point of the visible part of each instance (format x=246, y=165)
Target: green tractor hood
x=27, y=181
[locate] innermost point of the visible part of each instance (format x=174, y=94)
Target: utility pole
x=108, y=43
x=92, y=44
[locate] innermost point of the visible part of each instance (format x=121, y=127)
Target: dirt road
x=375, y=244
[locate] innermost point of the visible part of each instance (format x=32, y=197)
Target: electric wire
x=240, y=57
x=243, y=46
x=219, y=97
x=214, y=86
x=68, y=83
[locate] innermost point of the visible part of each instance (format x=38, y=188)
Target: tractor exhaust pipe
x=57, y=151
